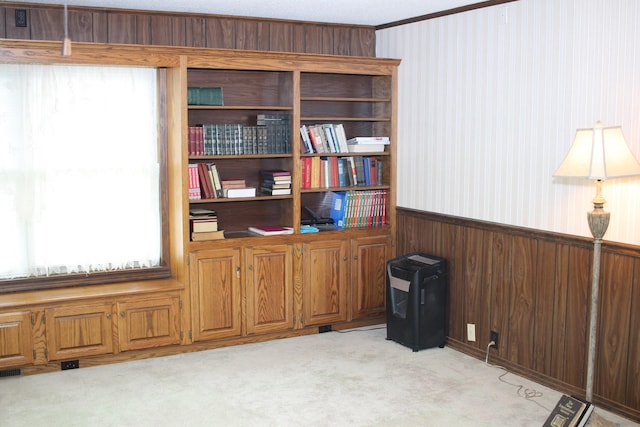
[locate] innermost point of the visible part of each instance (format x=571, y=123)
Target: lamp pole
x=598, y=223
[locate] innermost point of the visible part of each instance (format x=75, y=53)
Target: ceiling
x=354, y=12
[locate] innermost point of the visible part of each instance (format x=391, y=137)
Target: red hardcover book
x=335, y=176
x=205, y=181
x=306, y=172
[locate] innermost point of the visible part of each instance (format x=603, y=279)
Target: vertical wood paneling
x=219, y=33
x=489, y=101
x=500, y=260
x=546, y=261
x=45, y=24
x=114, y=26
x=633, y=372
x=452, y=239
x=281, y=37
x=12, y=31
x=144, y=29
x=99, y=27
x=122, y=28
x=473, y=285
x=559, y=333
x=195, y=29
x=614, y=324
x=3, y=28
x=533, y=288
x=522, y=301
x=576, y=316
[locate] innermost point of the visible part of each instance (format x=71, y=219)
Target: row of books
x=276, y=182
x=205, y=183
x=204, y=225
x=233, y=139
x=359, y=209
x=352, y=171
x=331, y=138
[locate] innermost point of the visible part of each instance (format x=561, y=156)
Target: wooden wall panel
x=522, y=301
x=100, y=27
x=500, y=282
x=121, y=28
x=281, y=37
x=616, y=284
x=12, y=31
x=533, y=288
x=46, y=22
x=219, y=33
x=473, y=280
x=313, y=39
x=143, y=29
x=3, y=28
x=633, y=373
x=577, y=311
x=452, y=239
x=545, y=313
x=195, y=31
x=362, y=42
x=81, y=26
x=342, y=40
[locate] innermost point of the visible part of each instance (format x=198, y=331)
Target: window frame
x=161, y=271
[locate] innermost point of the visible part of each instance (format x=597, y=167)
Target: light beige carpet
x=333, y=379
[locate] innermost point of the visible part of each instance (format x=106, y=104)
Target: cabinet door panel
x=149, y=323
x=16, y=341
x=269, y=288
x=325, y=282
x=79, y=331
x=370, y=256
x=216, y=294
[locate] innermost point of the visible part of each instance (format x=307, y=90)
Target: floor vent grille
x=11, y=373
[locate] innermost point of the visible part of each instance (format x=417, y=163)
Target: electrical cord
x=360, y=330
x=529, y=394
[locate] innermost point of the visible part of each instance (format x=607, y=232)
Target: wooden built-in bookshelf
x=244, y=287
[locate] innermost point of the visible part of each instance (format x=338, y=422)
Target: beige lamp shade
x=599, y=153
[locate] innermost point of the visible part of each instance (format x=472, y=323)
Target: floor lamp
x=599, y=153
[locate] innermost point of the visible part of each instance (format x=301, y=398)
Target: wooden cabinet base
x=200, y=346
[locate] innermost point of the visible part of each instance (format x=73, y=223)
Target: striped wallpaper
x=489, y=102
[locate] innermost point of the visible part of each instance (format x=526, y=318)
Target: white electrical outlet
x=471, y=331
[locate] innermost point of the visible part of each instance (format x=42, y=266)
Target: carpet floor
x=350, y=378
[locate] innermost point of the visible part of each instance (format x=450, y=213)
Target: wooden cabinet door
x=369, y=281
x=269, y=288
x=325, y=282
x=147, y=323
x=16, y=339
x=79, y=331
x=216, y=294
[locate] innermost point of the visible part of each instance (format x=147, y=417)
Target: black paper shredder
x=417, y=301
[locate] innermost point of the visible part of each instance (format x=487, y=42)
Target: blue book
x=338, y=203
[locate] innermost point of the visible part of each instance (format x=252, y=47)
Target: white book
x=234, y=193
x=369, y=140
x=366, y=148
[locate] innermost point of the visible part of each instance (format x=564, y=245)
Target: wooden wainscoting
x=533, y=288
x=100, y=25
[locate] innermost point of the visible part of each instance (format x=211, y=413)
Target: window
x=80, y=171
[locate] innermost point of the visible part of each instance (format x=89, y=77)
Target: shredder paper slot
x=403, y=285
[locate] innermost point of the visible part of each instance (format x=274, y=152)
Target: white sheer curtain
x=79, y=170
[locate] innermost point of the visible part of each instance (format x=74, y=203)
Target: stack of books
x=204, y=225
x=276, y=182
x=236, y=188
x=367, y=144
